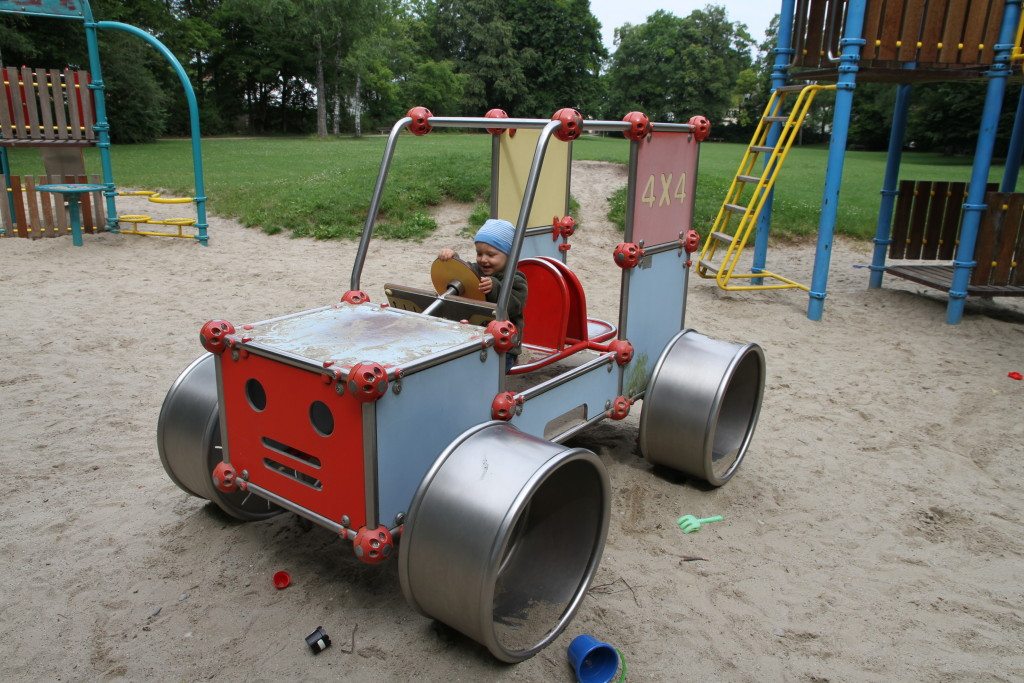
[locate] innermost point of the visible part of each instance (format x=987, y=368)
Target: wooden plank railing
x=926, y=226
x=44, y=107
x=948, y=33
x=44, y=214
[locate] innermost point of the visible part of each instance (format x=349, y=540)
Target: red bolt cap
x=639, y=126
x=572, y=124
x=214, y=335
x=420, y=120
x=701, y=127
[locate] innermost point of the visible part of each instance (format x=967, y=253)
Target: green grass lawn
x=323, y=188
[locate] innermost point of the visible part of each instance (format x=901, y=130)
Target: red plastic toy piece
x=503, y=406
x=1015, y=375
x=497, y=114
x=562, y=227
x=503, y=333
x=225, y=477
x=356, y=296
x=368, y=381
x=572, y=124
x=373, y=546
x=639, y=126
x=623, y=351
x=282, y=580
x=701, y=127
x=214, y=335
x=620, y=408
x=420, y=120
x=691, y=241
x=628, y=255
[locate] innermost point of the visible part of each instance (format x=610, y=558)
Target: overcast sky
x=614, y=13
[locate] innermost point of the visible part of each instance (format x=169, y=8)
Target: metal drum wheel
x=504, y=536
x=701, y=406
x=188, y=438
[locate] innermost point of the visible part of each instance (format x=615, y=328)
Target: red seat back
x=547, y=307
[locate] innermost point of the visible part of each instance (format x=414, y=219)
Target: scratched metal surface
x=349, y=334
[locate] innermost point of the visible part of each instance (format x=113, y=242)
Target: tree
x=671, y=68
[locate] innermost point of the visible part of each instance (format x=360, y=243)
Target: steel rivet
x=483, y=355
x=345, y=521
x=400, y=519
x=607, y=405
x=339, y=388
x=234, y=354
x=245, y=474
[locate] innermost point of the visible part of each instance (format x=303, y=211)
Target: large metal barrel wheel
x=504, y=536
x=188, y=438
x=701, y=406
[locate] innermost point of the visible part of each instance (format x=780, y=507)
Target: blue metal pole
x=780, y=75
x=6, y=164
x=889, y=191
x=964, y=261
x=102, y=128
x=1013, y=154
x=847, y=81
x=193, y=113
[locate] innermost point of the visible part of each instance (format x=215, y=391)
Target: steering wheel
x=456, y=273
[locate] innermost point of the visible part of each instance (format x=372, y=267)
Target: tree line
x=264, y=67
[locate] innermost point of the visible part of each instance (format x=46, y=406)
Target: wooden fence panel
x=950, y=53
x=1009, y=238
x=901, y=218
x=936, y=214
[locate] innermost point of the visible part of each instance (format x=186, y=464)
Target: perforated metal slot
x=301, y=477
x=285, y=449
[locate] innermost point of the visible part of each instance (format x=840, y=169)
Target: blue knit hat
x=498, y=233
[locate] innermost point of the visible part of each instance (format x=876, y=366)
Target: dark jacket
x=516, y=302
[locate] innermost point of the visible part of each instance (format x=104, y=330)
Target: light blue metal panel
x=654, y=315
x=346, y=334
x=541, y=245
x=594, y=389
x=414, y=426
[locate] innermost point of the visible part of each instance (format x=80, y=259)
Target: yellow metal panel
x=514, y=159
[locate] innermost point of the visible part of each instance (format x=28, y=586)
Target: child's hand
x=485, y=285
x=446, y=254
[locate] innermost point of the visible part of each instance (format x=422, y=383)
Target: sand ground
x=875, y=531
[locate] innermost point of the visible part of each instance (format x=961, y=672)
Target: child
x=493, y=243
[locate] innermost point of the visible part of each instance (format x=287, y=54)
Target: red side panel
x=275, y=432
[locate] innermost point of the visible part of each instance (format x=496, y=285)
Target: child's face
x=489, y=259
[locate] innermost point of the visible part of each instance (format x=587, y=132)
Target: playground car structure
x=396, y=420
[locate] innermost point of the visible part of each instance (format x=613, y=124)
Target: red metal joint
x=564, y=247
x=224, y=477
x=504, y=333
x=572, y=124
x=499, y=114
x=701, y=127
x=503, y=407
x=562, y=227
x=367, y=381
x=628, y=255
x=691, y=241
x=214, y=335
x=623, y=351
x=373, y=546
x=420, y=120
x=356, y=296
x=620, y=408
x=639, y=126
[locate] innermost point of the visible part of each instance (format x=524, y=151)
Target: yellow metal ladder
x=734, y=242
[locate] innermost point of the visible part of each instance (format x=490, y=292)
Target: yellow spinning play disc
x=443, y=273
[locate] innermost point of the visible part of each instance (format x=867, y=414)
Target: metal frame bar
x=974, y=206
x=889, y=191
